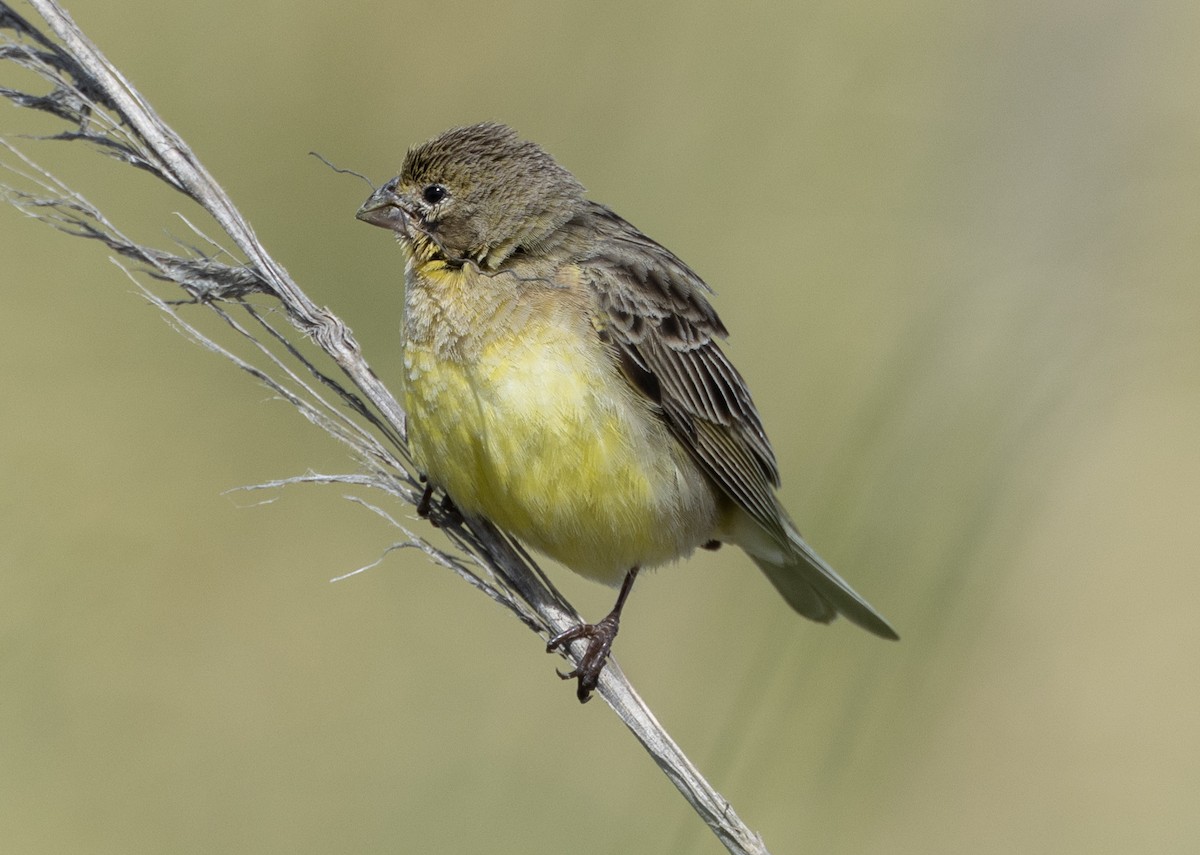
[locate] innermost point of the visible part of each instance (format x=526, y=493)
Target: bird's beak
x=385, y=208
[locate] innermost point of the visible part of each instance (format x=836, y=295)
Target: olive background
x=956, y=246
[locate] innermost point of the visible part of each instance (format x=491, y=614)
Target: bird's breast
x=517, y=410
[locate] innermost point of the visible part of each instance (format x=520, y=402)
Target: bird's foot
x=449, y=516
x=600, y=638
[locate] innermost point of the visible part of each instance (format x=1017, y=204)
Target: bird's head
x=479, y=193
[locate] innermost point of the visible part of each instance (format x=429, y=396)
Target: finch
x=564, y=379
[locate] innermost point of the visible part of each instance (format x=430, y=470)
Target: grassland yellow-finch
x=564, y=380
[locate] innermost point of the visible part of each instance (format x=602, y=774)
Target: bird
x=564, y=379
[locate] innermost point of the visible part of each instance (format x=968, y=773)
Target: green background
x=956, y=244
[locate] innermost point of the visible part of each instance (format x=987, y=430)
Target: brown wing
x=655, y=315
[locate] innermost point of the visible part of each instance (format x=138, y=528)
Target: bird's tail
x=811, y=586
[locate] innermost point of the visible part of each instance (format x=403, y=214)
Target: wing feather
x=653, y=311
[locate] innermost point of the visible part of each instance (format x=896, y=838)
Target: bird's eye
x=434, y=193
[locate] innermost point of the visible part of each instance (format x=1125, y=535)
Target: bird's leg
x=600, y=638
x=423, y=505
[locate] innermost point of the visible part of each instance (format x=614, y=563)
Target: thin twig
x=103, y=110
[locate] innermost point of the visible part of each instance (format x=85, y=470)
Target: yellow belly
x=538, y=432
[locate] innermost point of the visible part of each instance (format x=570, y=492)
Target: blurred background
x=956, y=245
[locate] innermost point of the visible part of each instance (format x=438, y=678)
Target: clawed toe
x=600, y=639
